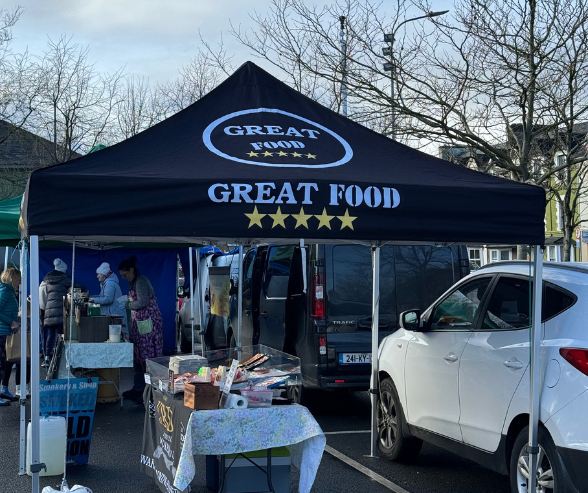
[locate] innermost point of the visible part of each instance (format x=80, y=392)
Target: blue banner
x=82, y=403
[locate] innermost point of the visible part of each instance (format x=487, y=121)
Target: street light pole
x=391, y=66
x=343, y=66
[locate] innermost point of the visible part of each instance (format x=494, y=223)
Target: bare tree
x=77, y=103
x=484, y=78
x=138, y=108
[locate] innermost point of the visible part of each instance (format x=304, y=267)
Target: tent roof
x=255, y=160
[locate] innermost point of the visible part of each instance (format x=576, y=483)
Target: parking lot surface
x=344, y=417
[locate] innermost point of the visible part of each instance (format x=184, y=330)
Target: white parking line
x=345, y=432
x=368, y=472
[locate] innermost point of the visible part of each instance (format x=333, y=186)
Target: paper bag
x=13, y=347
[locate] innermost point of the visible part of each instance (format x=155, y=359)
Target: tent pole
x=375, y=328
x=192, y=295
x=199, y=301
x=533, y=447
x=35, y=417
x=6, y=257
x=240, y=297
x=23, y=354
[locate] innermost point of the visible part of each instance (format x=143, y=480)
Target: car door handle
x=450, y=358
x=264, y=314
x=513, y=365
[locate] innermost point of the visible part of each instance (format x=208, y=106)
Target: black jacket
x=58, y=283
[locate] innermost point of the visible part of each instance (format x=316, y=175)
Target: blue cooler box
x=244, y=477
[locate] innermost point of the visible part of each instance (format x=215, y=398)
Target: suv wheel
x=549, y=472
x=392, y=443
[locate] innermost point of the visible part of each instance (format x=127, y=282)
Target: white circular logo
x=276, y=138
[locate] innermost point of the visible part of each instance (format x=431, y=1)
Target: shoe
x=4, y=403
x=131, y=394
x=5, y=394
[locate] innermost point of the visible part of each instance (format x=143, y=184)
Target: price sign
x=228, y=383
x=578, y=232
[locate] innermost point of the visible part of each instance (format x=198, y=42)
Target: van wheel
x=549, y=472
x=392, y=443
x=298, y=394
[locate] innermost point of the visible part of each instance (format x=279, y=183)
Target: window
x=552, y=253
x=278, y=271
x=508, y=308
x=423, y=273
x=497, y=255
x=510, y=304
x=248, y=265
x=475, y=258
x=458, y=311
x=558, y=217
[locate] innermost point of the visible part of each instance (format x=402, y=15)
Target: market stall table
x=229, y=431
x=96, y=355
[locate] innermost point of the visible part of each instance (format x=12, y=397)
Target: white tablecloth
x=229, y=431
x=96, y=355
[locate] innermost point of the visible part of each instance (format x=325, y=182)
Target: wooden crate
x=201, y=396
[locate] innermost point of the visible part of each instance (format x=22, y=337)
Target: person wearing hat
x=54, y=287
x=110, y=292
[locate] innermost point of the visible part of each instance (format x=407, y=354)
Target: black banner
x=166, y=422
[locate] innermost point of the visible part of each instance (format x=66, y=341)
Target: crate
x=201, y=396
x=90, y=329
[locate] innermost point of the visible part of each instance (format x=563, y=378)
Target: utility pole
x=343, y=65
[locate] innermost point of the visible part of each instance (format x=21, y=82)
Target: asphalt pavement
x=116, y=444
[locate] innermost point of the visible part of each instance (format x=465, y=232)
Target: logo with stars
x=275, y=138
x=300, y=219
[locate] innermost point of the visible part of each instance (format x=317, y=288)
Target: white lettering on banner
x=323, y=147
x=307, y=187
x=148, y=461
x=265, y=193
x=165, y=482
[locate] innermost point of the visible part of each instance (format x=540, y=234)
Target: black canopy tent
x=255, y=160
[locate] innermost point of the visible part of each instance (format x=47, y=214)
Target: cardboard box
x=201, y=396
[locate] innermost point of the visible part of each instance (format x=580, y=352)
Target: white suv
x=458, y=376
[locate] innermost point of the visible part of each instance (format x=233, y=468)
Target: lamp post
x=343, y=65
x=391, y=66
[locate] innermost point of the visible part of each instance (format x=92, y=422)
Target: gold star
x=282, y=153
x=311, y=156
x=266, y=153
x=278, y=218
x=302, y=218
x=346, y=220
x=255, y=218
x=324, y=219
x=252, y=154
x=295, y=154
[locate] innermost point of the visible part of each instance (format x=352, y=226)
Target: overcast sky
x=153, y=38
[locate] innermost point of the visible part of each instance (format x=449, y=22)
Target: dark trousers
x=139, y=378
x=8, y=370
x=49, y=334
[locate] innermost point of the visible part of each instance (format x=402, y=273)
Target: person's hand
x=14, y=327
x=90, y=300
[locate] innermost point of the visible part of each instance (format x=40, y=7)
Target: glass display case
x=263, y=366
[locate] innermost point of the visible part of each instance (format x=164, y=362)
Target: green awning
x=9, y=217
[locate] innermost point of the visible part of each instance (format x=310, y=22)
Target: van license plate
x=355, y=358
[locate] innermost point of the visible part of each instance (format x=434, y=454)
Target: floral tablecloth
x=229, y=431
x=96, y=355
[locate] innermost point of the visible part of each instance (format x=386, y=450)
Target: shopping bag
x=13, y=347
x=145, y=326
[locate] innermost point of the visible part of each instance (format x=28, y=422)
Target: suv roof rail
x=573, y=266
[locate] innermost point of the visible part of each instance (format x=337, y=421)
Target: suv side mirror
x=181, y=293
x=410, y=320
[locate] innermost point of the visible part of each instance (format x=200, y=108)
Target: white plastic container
x=53, y=435
x=114, y=333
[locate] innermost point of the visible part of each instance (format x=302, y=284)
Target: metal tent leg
x=240, y=297
x=24, y=254
x=533, y=447
x=192, y=295
x=375, y=343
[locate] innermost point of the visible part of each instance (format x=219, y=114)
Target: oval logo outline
x=210, y=146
